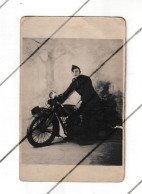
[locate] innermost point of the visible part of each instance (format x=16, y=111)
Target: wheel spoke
x=40, y=138
x=36, y=132
x=42, y=130
x=43, y=137
x=48, y=134
x=35, y=138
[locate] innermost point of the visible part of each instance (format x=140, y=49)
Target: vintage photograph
x=72, y=98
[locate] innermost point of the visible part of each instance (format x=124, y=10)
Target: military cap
x=74, y=67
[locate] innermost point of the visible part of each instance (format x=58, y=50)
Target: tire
x=39, y=135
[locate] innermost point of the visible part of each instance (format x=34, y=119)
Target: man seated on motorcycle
x=90, y=101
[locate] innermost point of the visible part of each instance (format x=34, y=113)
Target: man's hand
x=77, y=106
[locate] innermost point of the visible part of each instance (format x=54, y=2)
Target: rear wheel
x=41, y=132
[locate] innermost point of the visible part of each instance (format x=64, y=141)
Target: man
x=90, y=102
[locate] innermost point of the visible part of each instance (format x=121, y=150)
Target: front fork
x=62, y=124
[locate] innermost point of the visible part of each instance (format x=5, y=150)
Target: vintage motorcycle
x=46, y=124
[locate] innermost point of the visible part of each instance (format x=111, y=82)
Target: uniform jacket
x=83, y=86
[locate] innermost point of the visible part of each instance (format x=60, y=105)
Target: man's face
x=76, y=72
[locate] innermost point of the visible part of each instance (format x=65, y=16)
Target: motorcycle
x=46, y=123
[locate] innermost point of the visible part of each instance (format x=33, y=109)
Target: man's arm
x=68, y=91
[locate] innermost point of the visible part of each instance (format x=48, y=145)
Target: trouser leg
x=85, y=126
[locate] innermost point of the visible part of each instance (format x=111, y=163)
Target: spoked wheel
x=41, y=132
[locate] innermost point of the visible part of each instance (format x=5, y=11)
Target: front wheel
x=41, y=132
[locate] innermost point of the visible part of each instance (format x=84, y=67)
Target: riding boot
x=85, y=130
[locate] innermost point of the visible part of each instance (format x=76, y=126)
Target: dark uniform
x=83, y=86
x=90, y=99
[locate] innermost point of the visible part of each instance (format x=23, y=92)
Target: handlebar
x=54, y=102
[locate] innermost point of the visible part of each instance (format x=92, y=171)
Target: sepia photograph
x=72, y=98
